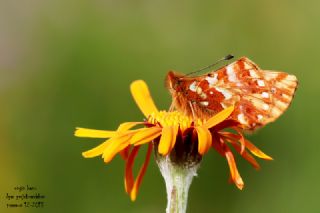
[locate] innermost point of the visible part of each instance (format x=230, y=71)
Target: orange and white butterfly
x=259, y=96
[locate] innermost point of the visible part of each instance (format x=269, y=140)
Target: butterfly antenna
x=226, y=58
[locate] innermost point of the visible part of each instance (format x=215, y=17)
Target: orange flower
x=172, y=134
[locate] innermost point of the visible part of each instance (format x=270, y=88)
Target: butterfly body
x=259, y=96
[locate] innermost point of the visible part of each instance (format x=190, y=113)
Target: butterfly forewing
x=259, y=96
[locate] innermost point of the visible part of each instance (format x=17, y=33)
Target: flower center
x=174, y=118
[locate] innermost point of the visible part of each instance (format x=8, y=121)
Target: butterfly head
x=174, y=81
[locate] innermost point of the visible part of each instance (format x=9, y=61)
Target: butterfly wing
x=259, y=96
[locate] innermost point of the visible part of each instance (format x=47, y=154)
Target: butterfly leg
x=192, y=111
x=172, y=106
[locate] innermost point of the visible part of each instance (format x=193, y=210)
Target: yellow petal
x=241, y=140
x=246, y=155
x=257, y=152
x=175, y=134
x=142, y=97
x=96, y=151
x=142, y=171
x=168, y=139
x=127, y=125
x=145, y=135
x=92, y=133
x=116, y=145
x=218, y=118
x=204, y=139
x=128, y=177
x=233, y=170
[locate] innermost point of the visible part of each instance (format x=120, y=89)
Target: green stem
x=178, y=179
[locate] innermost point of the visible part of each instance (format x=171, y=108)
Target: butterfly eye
x=175, y=84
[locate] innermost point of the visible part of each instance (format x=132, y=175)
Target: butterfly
x=259, y=96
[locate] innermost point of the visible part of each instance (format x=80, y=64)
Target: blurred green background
x=69, y=63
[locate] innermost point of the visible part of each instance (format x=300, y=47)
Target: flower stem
x=178, y=179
